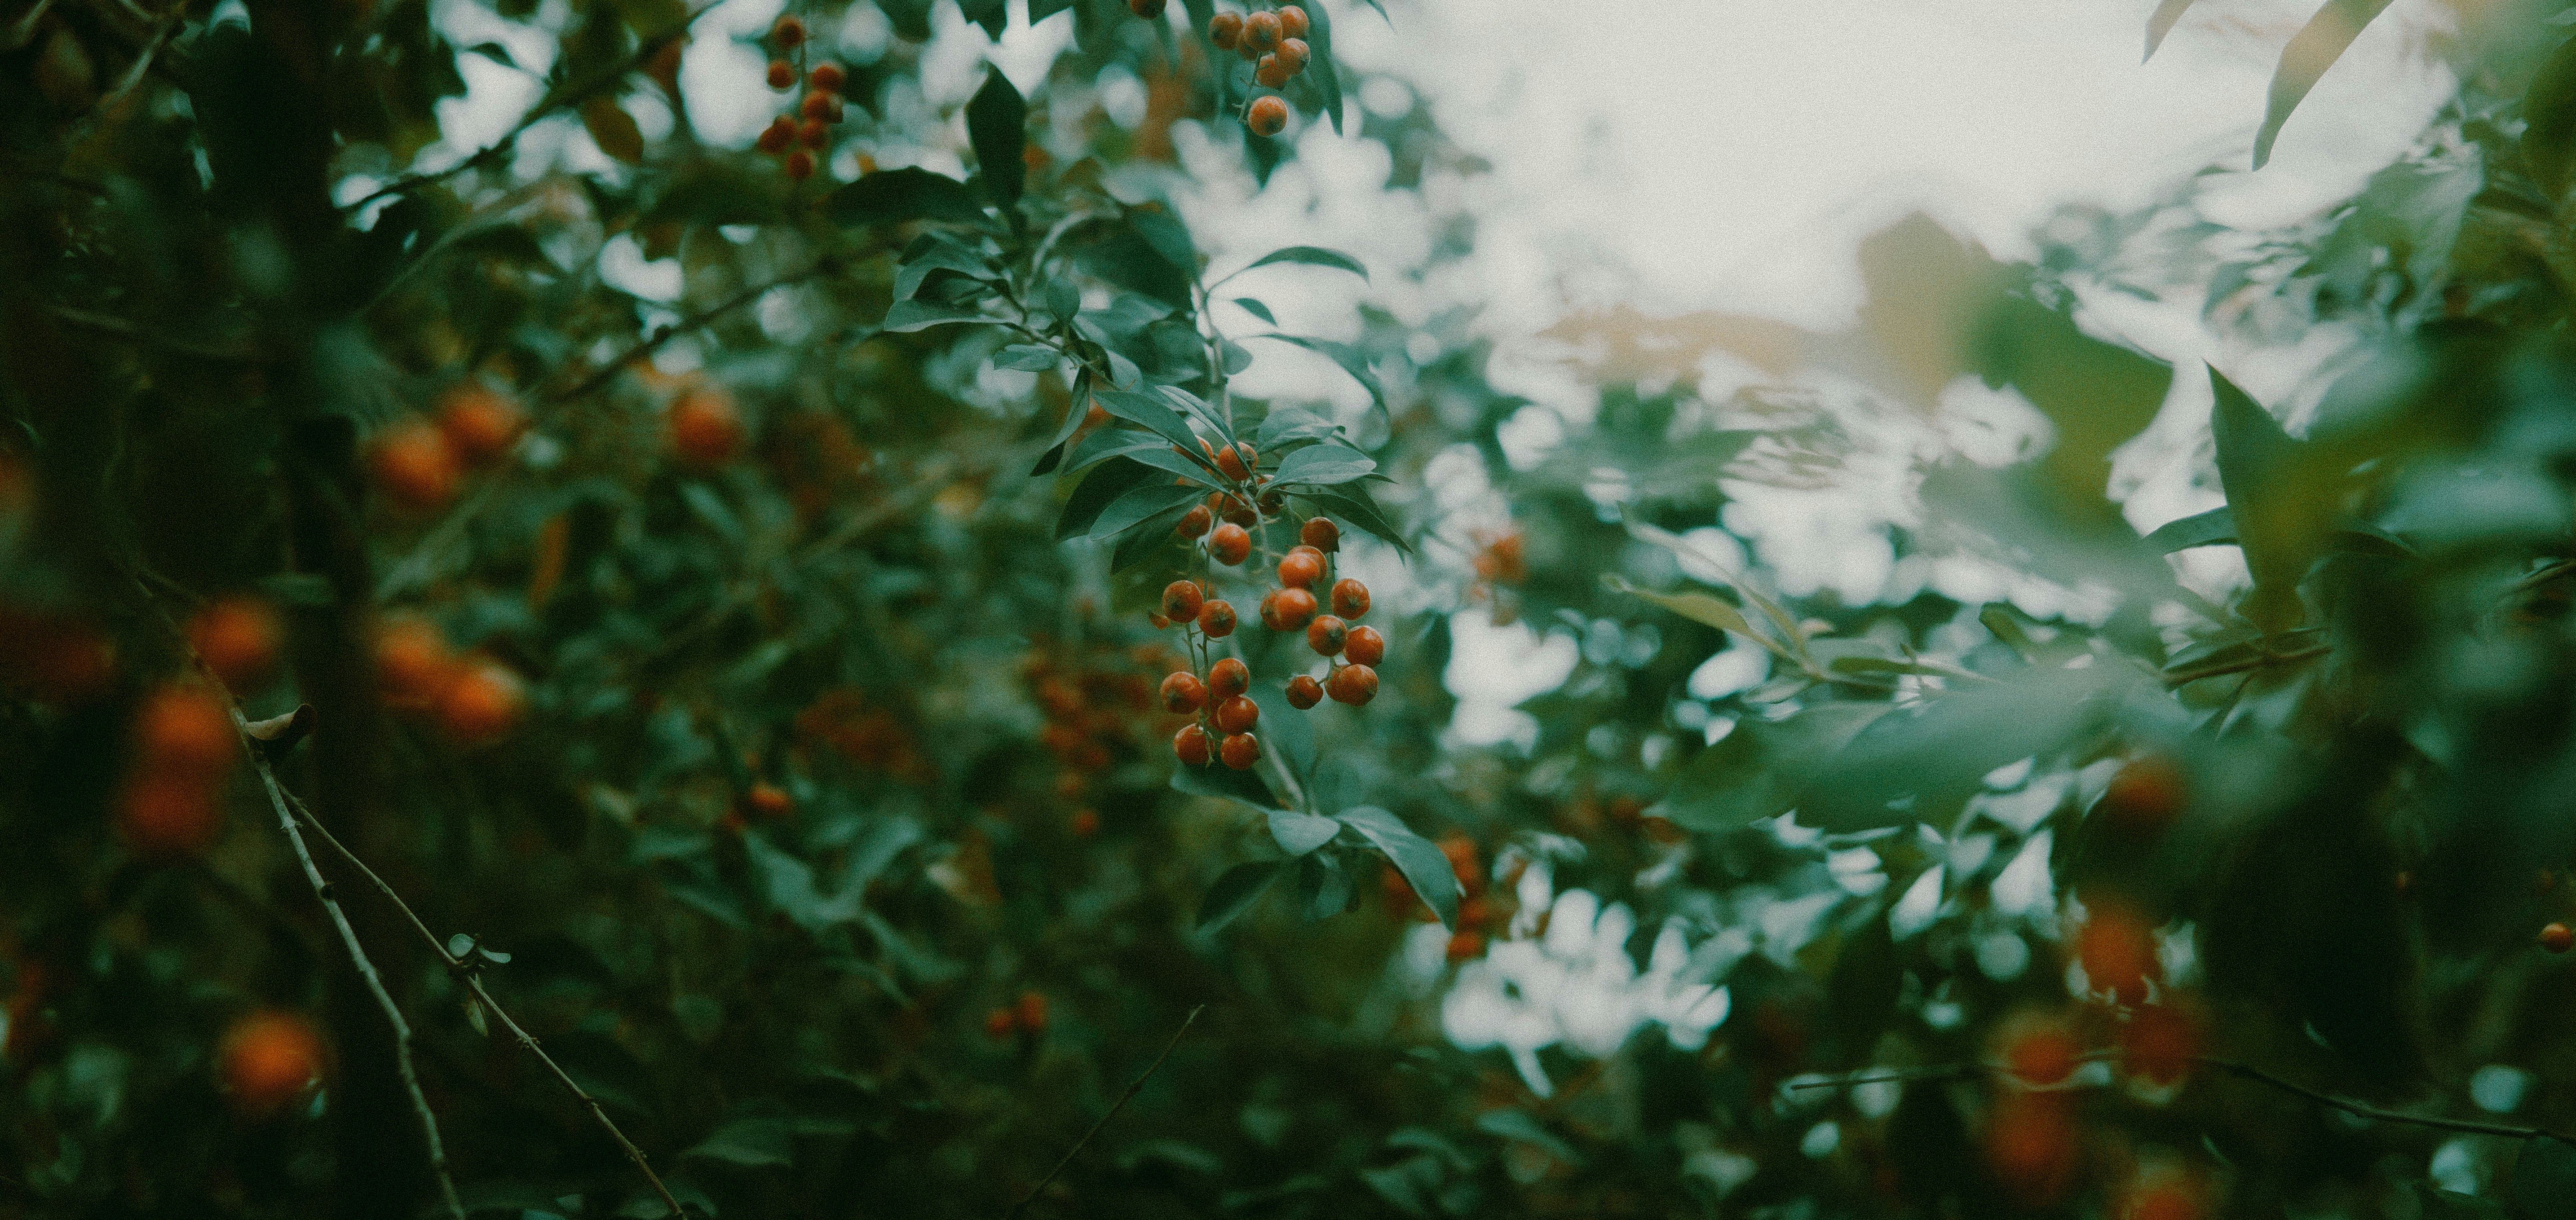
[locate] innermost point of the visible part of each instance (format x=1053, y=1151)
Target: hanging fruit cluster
x=807, y=128
x=418, y=463
x=1274, y=41
x=1092, y=700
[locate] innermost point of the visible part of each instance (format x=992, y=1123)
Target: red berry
x=770, y=800
x=999, y=1023
x=1237, y=715
x=164, y=816
x=480, y=704
x=1235, y=509
x=2557, y=938
x=800, y=165
x=237, y=637
x=1466, y=946
x=1292, y=21
x=1216, y=619
x=1303, y=566
x=789, y=32
x=1292, y=608
x=1195, y=522
x=813, y=133
x=1191, y=745
x=1350, y=598
x=268, y=1060
x=1304, y=692
x=1294, y=55
x=1270, y=73
x=1032, y=1012
x=2117, y=950
x=1261, y=31
x=478, y=423
x=1268, y=117
x=2159, y=1043
x=775, y=138
x=1241, y=751
x=1365, y=647
x=826, y=77
x=1229, y=544
x=2043, y=1056
x=1352, y=684
x=1236, y=461
x=2146, y=795
x=1226, y=30
x=1183, y=693
x=704, y=428
x=781, y=74
x=1326, y=635
x=818, y=106
x=412, y=663
x=416, y=466
x=1084, y=823
x=185, y=730
x=1228, y=678
x=1181, y=600
x=1321, y=534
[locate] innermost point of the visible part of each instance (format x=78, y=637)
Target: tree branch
x=1114, y=1107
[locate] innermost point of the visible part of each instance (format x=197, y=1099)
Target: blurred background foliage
x=711, y=592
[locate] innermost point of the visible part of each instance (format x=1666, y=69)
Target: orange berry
x=481, y=703
x=1228, y=544
x=1083, y=824
x=1268, y=117
x=1182, y=600
x=412, y=664
x=1216, y=618
x=1304, y=692
x=1236, y=461
x=1237, y=715
x=789, y=32
x=1294, y=54
x=237, y=637
x=704, y=429
x=1365, y=647
x=2557, y=938
x=775, y=138
x=1466, y=945
x=1291, y=609
x=999, y=1023
x=268, y=1060
x=1226, y=30
x=781, y=74
x=1350, y=598
x=1292, y=21
x=415, y=466
x=1261, y=31
x=479, y=424
x=1183, y=693
x=1321, y=534
x=2031, y=1147
x=1302, y=567
x=770, y=800
x=166, y=816
x=1227, y=678
x=1270, y=73
x=1033, y=1012
x=1352, y=684
x=816, y=108
x=184, y=731
x=2117, y=950
x=1195, y=522
x=1326, y=635
x=813, y=133
x=827, y=77
x=2164, y=1201
x=2159, y=1043
x=1147, y=9
x=2043, y=1056
x=1190, y=745
x=1236, y=510
x=2145, y=795
x=1241, y=751
x=800, y=165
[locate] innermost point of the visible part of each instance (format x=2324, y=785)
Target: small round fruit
x=818, y=106
x=1190, y=745
x=1225, y=30
x=1227, y=678
x=775, y=138
x=1321, y=534
x=1083, y=824
x=2146, y=795
x=1304, y=692
x=1352, y=684
x=770, y=800
x=1237, y=715
x=827, y=77
x=269, y=1059
x=1183, y=693
x=2557, y=938
x=1294, y=54
x=1261, y=31
x=704, y=429
x=1302, y=567
x=185, y=731
x=781, y=74
x=1295, y=608
x=415, y=466
x=1236, y=461
x=1270, y=73
x=1350, y=598
x=1466, y=946
x=1292, y=21
x=2043, y=1057
x=412, y=663
x=481, y=704
x=479, y=424
x=1327, y=635
x=789, y=32
x=1032, y=1012
x=1229, y=544
x=1196, y=522
x=999, y=1024
x=1147, y=9
x=237, y=637
x=813, y=133
x=1365, y=647
x=800, y=165
x=168, y=816
x=1241, y=751
x=2117, y=950
x=1236, y=510
x=1268, y=117
x=1216, y=619
x=2159, y=1043
x=1182, y=599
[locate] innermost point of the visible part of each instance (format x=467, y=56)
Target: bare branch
x=1114, y=1108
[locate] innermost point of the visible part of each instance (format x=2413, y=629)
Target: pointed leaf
x=1142, y=503
x=2161, y=23
x=1299, y=833
x=2212, y=528
x=909, y=316
x=2313, y=50
x=892, y=195
x=1705, y=609
x=1235, y=892
x=1313, y=256
x=1151, y=412
x=1256, y=309
x=1094, y=495
x=997, y=125
x=1323, y=466
x=1219, y=780
x=1421, y=862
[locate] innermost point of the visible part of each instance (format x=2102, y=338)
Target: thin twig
x=474, y=982
x=557, y=100
x=2362, y=1110
x=1953, y=1071
x=366, y=968
x=1114, y=1107
x=143, y=62
x=109, y=324
x=664, y=334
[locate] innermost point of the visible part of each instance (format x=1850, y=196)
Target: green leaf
x=1040, y=10
x=1323, y=466
x=909, y=316
x=750, y=1143
x=1285, y=424
x=1142, y=503
x=1516, y=1124
x=1416, y=857
x=1256, y=309
x=1149, y=536
x=1326, y=80
x=892, y=195
x=1027, y=357
x=2280, y=507
x=1094, y=494
x=1285, y=731
x=1153, y=413
x=2213, y=528
x=2161, y=23
x=1323, y=885
x=993, y=15
x=1313, y=256
x=2313, y=50
x=1107, y=443
x=1300, y=833
x=1224, y=782
x=1077, y=408
x=1705, y=609
x=2549, y=121
x=997, y=125
x=933, y=252
x=1792, y=636
x=1235, y=892
x=1939, y=750
x=1343, y=354
x=1353, y=506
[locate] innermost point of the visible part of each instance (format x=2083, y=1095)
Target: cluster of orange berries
x=1091, y=707
x=1219, y=696
x=1275, y=42
x=799, y=135
x=872, y=737
x=705, y=429
x=184, y=744
x=1028, y=1016
x=474, y=700
x=2034, y=1134
x=420, y=462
